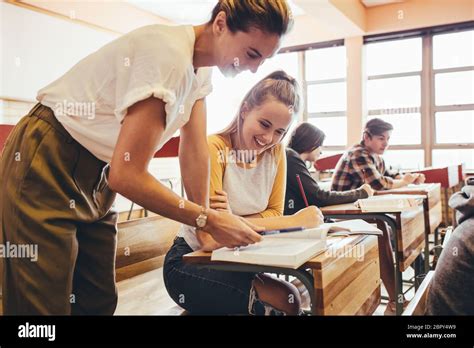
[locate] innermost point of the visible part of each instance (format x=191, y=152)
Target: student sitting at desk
x=363, y=162
x=248, y=171
x=305, y=145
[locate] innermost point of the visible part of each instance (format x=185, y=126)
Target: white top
x=248, y=191
x=92, y=98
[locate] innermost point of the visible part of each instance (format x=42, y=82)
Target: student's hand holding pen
x=420, y=179
x=367, y=188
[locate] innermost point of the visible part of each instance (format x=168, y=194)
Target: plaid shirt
x=356, y=167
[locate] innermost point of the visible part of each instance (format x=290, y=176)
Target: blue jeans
x=203, y=291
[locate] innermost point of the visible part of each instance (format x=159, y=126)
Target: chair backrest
x=328, y=162
x=417, y=305
x=170, y=149
x=5, y=130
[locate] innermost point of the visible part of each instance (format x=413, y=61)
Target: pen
x=303, y=194
x=283, y=230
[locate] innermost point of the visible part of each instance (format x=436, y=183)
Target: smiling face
x=240, y=51
x=377, y=143
x=265, y=126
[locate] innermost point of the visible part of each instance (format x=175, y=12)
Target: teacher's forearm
x=143, y=189
x=195, y=176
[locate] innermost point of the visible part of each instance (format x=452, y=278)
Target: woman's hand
x=231, y=230
x=367, y=188
x=309, y=217
x=220, y=202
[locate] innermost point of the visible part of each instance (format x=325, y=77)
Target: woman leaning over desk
x=60, y=168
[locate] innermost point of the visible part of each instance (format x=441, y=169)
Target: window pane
x=455, y=127
x=400, y=92
x=455, y=88
x=335, y=129
x=326, y=63
x=405, y=159
x=443, y=158
x=453, y=50
x=327, y=97
x=406, y=128
x=393, y=57
x=227, y=94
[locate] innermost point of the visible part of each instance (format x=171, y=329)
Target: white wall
x=37, y=48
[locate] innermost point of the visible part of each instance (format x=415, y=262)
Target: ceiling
x=190, y=11
x=372, y=3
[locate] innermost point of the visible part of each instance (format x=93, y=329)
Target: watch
x=201, y=220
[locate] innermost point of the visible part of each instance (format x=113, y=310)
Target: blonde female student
x=61, y=167
x=248, y=172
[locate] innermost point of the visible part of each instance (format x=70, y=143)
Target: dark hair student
x=305, y=146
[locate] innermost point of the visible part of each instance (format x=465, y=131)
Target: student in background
x=451, y=289
x=363, y=163
x=248, y=171
x=94, y=133
x=305, y=145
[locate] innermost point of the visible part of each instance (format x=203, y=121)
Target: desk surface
x=350, y=208
x=422, y=189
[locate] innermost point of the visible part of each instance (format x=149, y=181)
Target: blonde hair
x=271, y=16
x=278, y=85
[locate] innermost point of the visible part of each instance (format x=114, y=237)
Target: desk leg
x=426, y=211
x=398, y=273
x=306, y=277
x=392, y=223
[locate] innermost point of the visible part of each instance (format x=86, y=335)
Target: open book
x=389, y=203
x=350, y=227
x=288, y=250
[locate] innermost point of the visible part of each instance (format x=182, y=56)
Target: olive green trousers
x=54, y=196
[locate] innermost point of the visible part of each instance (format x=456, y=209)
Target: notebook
x=288, y=250
x=389, y=203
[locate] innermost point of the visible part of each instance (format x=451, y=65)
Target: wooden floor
x=145, y=294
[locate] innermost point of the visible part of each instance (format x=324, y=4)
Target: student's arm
x=140, y=133
x=365, y=166
x=315, y=195
x=272, y=217
x=309, y=217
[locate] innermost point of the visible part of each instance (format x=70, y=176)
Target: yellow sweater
x=219, y=147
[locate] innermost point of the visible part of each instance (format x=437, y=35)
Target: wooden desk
x=409, y=232
x=343, y=280
x=432, y=209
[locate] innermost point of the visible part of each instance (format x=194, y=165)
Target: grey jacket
x=452, y=287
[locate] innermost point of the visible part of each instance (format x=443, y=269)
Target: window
x=223, y=103
x=404, y=159
x=453, y=106
x=394, y=95
x=401, y=134
x=325, y=71
x=451, y=157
